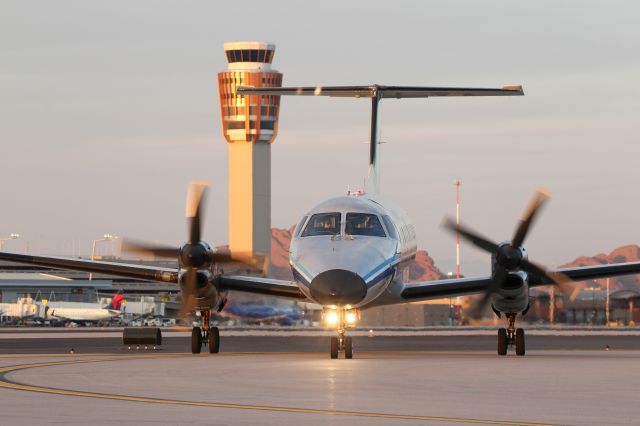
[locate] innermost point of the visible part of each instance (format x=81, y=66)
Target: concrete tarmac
x=320, y=344
x=291, y=380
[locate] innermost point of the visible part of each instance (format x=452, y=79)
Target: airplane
x=261, y=313
x=93, y=312
x=349, y=252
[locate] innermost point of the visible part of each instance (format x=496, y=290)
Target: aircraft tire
x=520, y=347
x=334, y=347
x=214, y=340
x=502, y=341
x=196, y=340
x=348, y=347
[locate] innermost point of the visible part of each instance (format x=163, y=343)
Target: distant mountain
x=630, y=253
x=280, y=240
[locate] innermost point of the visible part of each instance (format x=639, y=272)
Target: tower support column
x=250, y=197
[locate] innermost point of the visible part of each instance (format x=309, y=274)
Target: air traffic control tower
x=250, y=125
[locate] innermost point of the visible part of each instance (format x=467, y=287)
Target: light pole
x=552, y=304
x=13, y=236
x=606, y=308
x=457, y=184
x=593, y=290
x=105, y=237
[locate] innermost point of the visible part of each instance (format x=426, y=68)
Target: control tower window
x=323, y=224
x=250, y=55
x=364, y=224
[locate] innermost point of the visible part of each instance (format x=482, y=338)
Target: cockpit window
x=391, y=229
x=299, y=227
x=323, y=224
x=364, y=224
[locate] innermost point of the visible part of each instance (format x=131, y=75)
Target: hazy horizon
x=110, y=109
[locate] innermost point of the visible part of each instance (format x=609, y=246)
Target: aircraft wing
x=142, y=272
x=444, y=288
x=464, y=286
x=267, y=286
x=247, y=284
x=583, y=273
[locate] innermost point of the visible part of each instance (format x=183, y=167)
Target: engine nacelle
x=513, y=296
x=206, y=293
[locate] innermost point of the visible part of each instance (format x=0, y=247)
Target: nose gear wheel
x=341, y=343
x=511, y=336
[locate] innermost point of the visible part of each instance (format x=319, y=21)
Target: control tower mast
x=250, y=125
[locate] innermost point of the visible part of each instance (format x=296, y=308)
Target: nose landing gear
x=511, y=336
x=342, y=318
x=208, y=335
x=342, y=343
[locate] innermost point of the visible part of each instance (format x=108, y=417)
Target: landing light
x=351, y=318
x=332, y=317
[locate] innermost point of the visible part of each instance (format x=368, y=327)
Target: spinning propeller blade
x=509, y=256
x=196, y=256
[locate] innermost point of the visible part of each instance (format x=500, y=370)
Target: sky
x=109, y=109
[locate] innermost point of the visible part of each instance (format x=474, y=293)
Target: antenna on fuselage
x=376, y=93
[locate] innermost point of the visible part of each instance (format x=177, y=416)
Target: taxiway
x=291, y=380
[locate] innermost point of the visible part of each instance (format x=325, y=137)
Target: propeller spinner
x=510, y=256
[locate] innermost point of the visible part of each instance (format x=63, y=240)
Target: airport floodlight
x=105, y=237
x=12, y=236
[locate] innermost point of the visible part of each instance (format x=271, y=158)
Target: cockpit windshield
x=364, y=224
x=323, y=224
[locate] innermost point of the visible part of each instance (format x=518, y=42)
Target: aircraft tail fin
x=376, y=93
x=116, y=301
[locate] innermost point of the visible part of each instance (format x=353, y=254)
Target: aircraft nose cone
x=338, y=287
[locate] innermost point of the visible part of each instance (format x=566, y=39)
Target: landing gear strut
x=511, y=336
x=208, y=335
x=342, y=343
x=342, y=318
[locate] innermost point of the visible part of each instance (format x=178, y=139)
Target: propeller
x=195, y=256
x=510, y=255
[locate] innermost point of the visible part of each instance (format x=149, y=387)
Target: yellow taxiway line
x=5, y=384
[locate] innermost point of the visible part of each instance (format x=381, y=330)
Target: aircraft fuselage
x=347, y=250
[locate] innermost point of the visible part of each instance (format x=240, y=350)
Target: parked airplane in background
x=76, y=311
x=260, y=313
x=348, y=253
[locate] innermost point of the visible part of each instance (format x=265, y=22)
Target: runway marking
x=7, y=384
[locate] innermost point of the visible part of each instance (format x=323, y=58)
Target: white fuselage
x=79, y=312
x=365, y=248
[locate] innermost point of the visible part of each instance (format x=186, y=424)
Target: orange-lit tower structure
x=250, y=125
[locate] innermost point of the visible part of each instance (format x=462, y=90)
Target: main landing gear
x=511, y=336
x=208, y=335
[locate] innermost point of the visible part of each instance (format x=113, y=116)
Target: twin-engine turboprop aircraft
x=348, y=253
